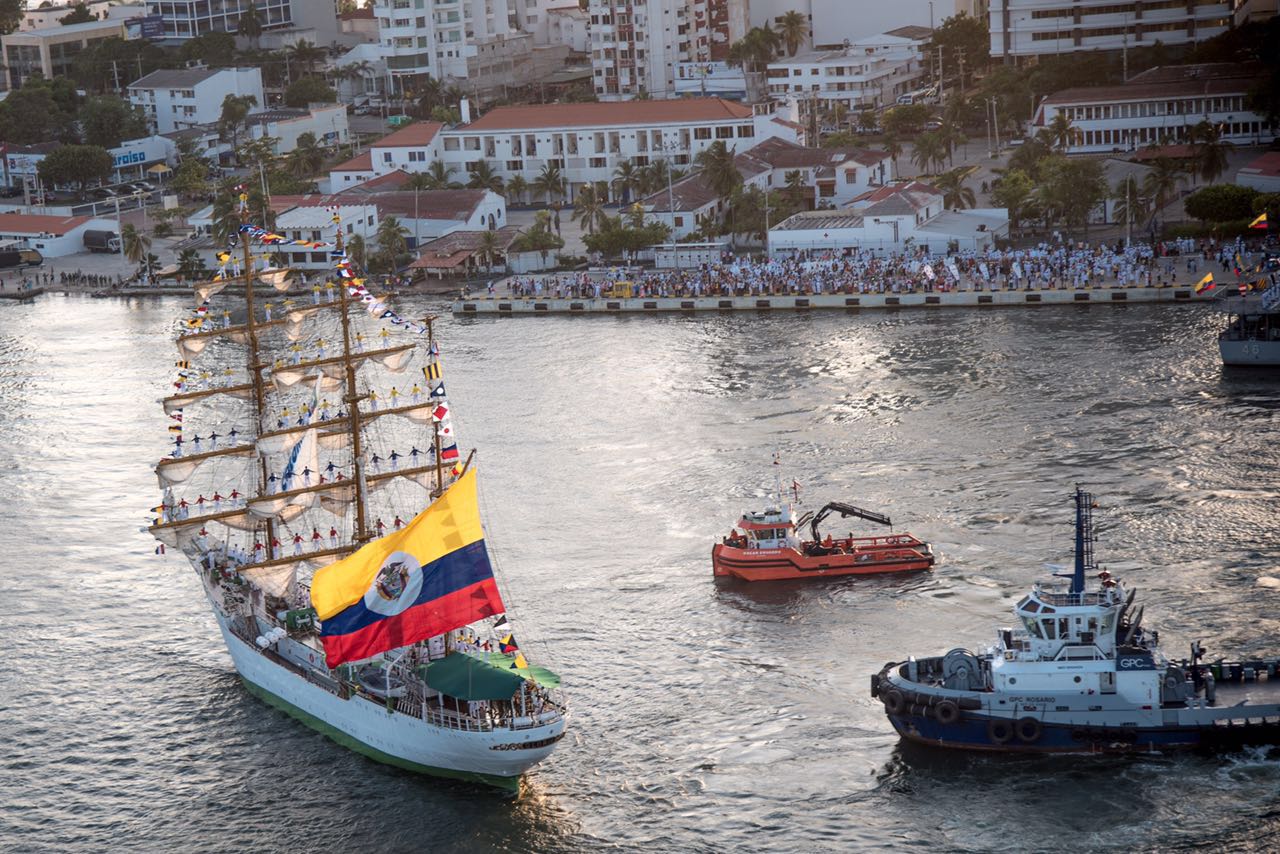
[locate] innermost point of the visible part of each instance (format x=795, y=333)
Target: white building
x=1022, y=29
x=1160, y=105
x=51, y=51
x=586, y=142
x=906, y=215
x=637, y=44
x=712, y=78
x=870, y=73
x=834, y=22
x=185, y=97
x=52, y=236
x=326, y=122
x=830, y=176
x=186, y=19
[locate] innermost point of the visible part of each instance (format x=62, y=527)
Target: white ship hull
x=496, y=757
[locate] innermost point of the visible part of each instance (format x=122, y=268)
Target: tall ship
x=1080, y=672
x=318, y=488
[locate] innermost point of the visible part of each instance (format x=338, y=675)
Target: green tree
x=76, y=165
x=484, y=178
x=189, y=179
x=1071, y=189
x=717, y=164
x=963, y=33
x=250, y=25
x=516, y=188
x=235, y=110
x=1062, y=134
x=306, y=54
x=928, y=151
x=489, y=248
x=11, y=12
x=1210, y=151
x=107, y=121
x=626, y=181
x=215, y=49
x=955, y=195
x=539, y=237
x=1162, y=182
x=134, y=243
x=356, y=249
x=1132, y=205
x=1221, y=203
x=392, y=243
x=79, y=14
x=191, y=266
x=306, y=158
x=892, y=146
x=905, y=120
x=550, y=182
x=437, y=176
x=588, y=209
x=1015, y=191
x=94, y=68
x=793, y=28
x=41, y=111
x=308, y=90
x=753, y=52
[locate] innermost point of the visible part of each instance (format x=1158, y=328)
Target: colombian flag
x=428, y=578
x=1260, y=221
x=1206, y=284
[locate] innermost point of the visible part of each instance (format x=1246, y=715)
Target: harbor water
x=613, y=452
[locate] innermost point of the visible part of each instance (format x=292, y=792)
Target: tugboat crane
x=845, y=511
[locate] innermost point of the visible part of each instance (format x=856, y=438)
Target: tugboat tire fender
x=946, y=712
x=999, y=730
x=1028, y=730
x=894, y=702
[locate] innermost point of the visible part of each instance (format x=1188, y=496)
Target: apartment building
x=177, y=98
x=834, y=22
x=1160, y=105
x=186, y=19
x=50, y=52
x=869, y=73
x=637, y=44
x=585, y=142
x=1024, y=29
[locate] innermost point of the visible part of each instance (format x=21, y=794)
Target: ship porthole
x=1077, y=679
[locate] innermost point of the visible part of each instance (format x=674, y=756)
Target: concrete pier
x=806, y=302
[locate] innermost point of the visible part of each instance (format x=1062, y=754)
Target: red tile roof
x=16, y=223
x=360, y=163
x=679, y=111
x=418, y=133
x=1268, y=165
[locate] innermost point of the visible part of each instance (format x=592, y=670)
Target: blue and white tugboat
x=1080, y=674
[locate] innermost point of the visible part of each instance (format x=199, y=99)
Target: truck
x=101, y=241
x=13, y=256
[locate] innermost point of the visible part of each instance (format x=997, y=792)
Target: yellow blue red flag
x=428, y=578
x=1260, y=221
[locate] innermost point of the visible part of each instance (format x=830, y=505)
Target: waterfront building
x=51, y=51
x=586, y=142
x=1026, y=29
x=907, y=215
x=1160, y=105
x=867, y=74
x=830, y=177
x=176, y=98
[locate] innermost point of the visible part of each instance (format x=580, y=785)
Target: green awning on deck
x=470, y=677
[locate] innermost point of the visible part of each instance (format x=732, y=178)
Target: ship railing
x=1066, y=600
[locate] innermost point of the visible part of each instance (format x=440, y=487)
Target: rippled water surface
x=613, y=451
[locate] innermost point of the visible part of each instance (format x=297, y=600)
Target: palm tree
x=135, y=244
x=893, y=147
x=235, y=109
x=755, y=50
x=191, y=266
x=716, y=163
x=588, y=209
x=955, y=195
x=306, y=158
x=951, y=136
x=250, y=25
x=516, y=189
x=489, y=247
x=392, y=241
x=795, y=186
x=1211, y=151
x=484, y=178
x=356, y=249
x=437, y=177
x=306, y=53
x=550, y=182
x=626, y=181
x=1162, y=182
x=430, y=95
x=1132, y=204
x=1061, y=133
x=794, y=29
x=928, y=149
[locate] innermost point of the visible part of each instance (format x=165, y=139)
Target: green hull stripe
x=510, y=784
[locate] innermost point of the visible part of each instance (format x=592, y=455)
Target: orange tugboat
x=766, y=547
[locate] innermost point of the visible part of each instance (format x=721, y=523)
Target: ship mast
x=255, y=362
x=353, y=398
